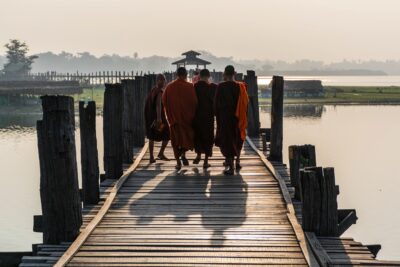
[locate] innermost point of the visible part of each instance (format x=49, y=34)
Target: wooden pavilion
x=191, y=59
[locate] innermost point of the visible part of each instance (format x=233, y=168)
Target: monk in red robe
x=156, y=123
x=204, y=119
x=229, y=133
x=180, y=103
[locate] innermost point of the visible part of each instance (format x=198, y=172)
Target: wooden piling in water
x=319, y=201
x=59, y=189
x=89, y=154
x=276, y=119
x=253, y=115
x=128, y=119
x=140, y=94
x=300, y=157
x=112, y=130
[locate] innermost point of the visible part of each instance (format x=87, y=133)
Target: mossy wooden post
x=112, y=131
x=319, y=201
x=299, y=158
x=59, y=189
x=89, y=155
x=253, y=115
x=128, y=119
x=276, y=119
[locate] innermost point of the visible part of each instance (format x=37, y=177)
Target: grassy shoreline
x=334, y=95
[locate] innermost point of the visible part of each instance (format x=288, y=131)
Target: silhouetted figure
x=156, y=123
x=204, y=119
x=228, y=133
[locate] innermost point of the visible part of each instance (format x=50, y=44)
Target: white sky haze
x=266, y=29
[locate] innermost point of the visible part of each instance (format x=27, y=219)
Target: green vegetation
x=19, y=63
x=333, y=95
x=96, y=94
x=350, y=95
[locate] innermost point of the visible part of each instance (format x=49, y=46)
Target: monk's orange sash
x=241, y=109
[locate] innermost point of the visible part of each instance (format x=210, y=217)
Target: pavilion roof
x=191, y=61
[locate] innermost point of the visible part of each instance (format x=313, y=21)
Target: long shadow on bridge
x=206, y=203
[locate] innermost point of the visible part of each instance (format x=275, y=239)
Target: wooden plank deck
x=161, y=217
x=155, y=216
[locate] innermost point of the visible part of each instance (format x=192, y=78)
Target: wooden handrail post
x=59, y=189
x=89, y=154
x=319, y=201
x=300, y=157
x=112, y=130
x=128, y=119
x=276, y=119
x=253, y=113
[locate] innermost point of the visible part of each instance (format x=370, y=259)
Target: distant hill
x=86, y=62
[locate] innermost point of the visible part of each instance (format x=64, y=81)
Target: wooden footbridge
x=154, y=215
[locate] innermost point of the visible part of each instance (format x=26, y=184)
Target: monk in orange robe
x=241, y=115
x=180, y=103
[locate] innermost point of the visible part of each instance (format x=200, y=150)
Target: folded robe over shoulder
x=180, y=103
x=241, y=110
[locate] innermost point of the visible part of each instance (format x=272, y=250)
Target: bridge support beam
x=253, y=113
x=128, y=119
x=59, y=189
x=276, y=120
x=112, y=131
x=300, y=157
x=319, y=201
x=89, y=154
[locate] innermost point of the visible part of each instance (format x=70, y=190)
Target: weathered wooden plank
x=72, y=250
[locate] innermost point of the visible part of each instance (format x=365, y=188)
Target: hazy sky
x=328, y=30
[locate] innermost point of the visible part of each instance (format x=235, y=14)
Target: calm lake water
x=361, y=142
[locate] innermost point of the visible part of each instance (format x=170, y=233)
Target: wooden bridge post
x=299, y=158
x=253, y=114
x=59, y=189
x=276, y=119
x=112, y=131
x=319, y=201
x=89, y=155
x=140, y=93
x=128, y=119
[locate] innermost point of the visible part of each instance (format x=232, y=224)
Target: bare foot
x=196, y=160
x=178, y=167
x=185, y=162
x=206, y=165
x=162, y=157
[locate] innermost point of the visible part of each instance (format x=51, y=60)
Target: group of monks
x=185, y=112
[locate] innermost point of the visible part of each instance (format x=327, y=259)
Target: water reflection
x=311, y=111
x=361, y=142
x=18, y=121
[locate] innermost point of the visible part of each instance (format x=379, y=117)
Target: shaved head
x=160, y=80
x=160, y=77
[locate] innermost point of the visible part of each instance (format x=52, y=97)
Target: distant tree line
x=16, y=61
